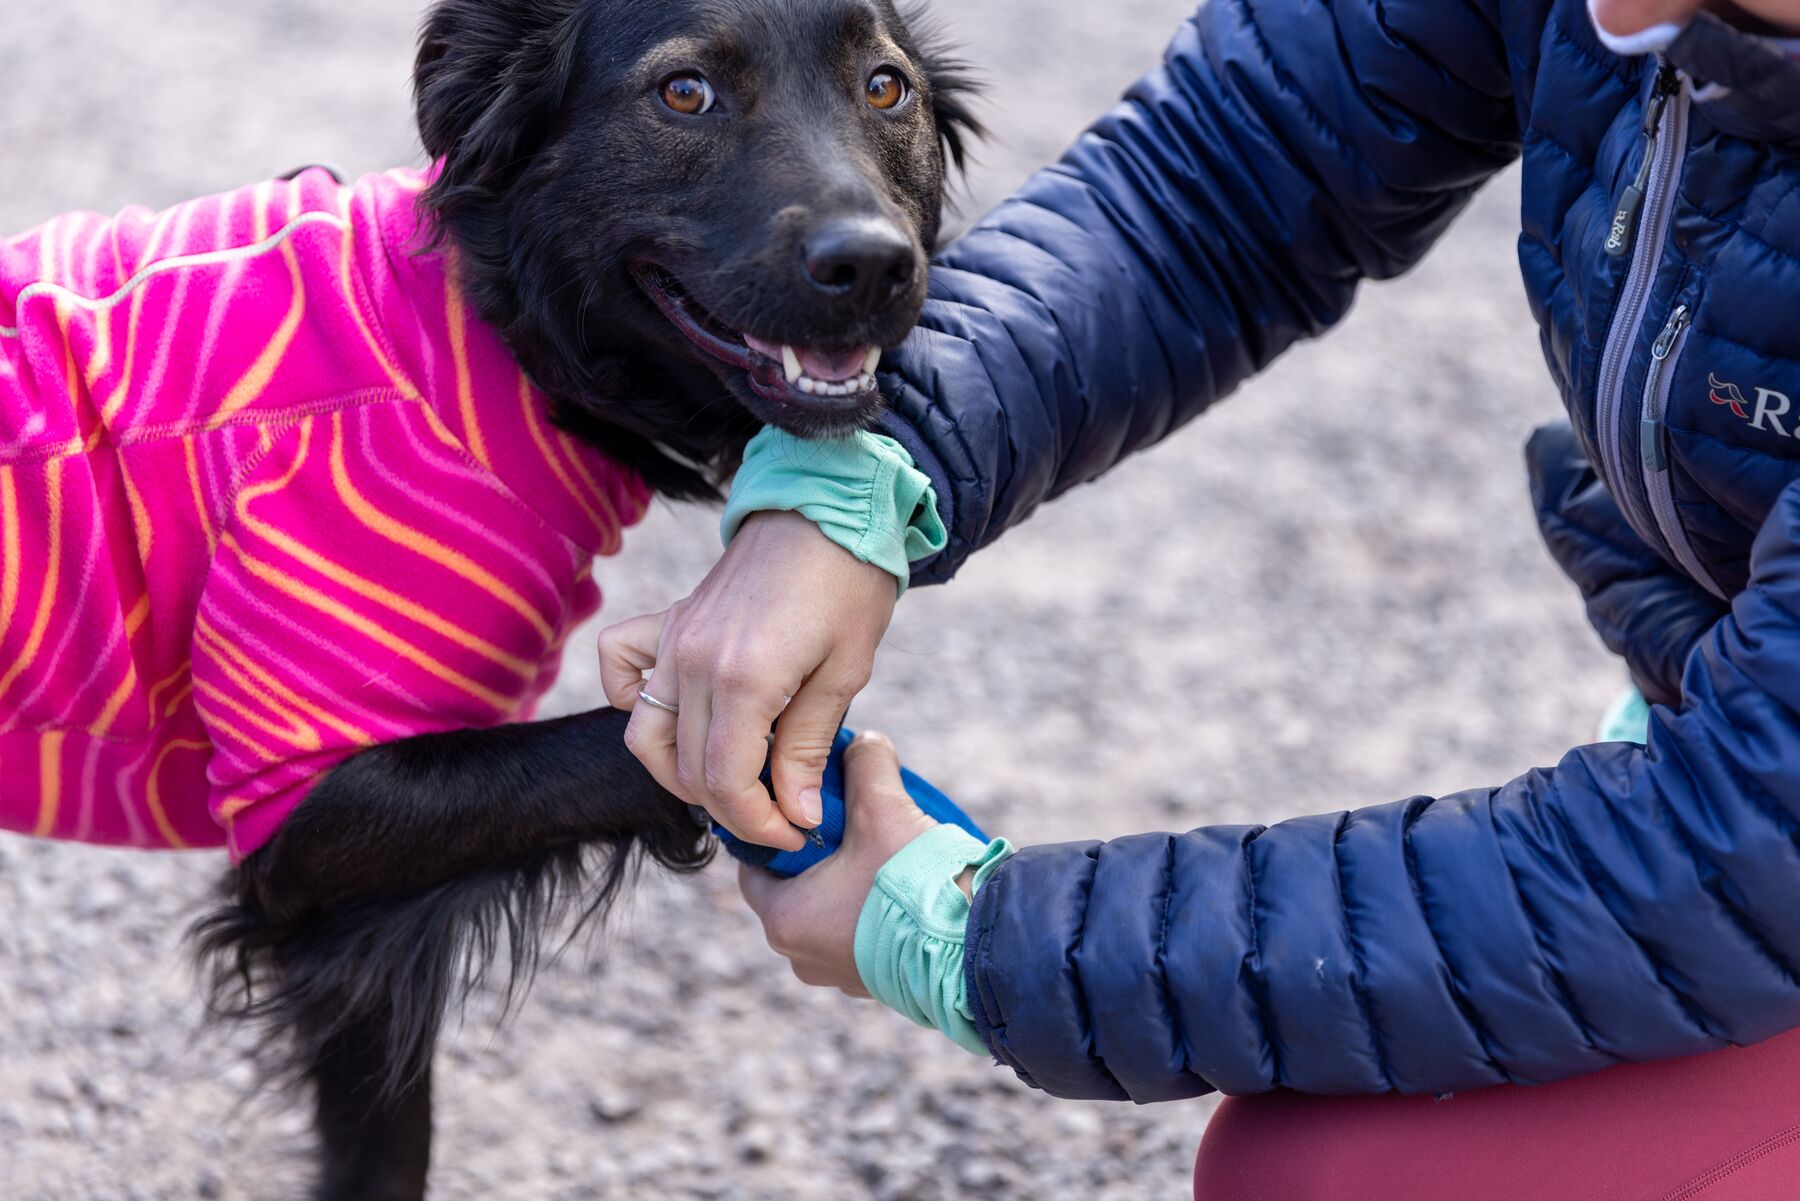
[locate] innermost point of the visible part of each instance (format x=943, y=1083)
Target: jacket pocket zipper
x=1653, y=434
x=1621, y=236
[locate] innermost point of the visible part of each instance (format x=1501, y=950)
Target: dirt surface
x=1327, y=594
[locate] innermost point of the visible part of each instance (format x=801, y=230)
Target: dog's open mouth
x=831, y=381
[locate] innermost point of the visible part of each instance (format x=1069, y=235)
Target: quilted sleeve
x=1629, y=904
x=1228, y=207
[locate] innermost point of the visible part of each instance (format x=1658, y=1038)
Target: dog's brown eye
x=886, y=89
x=689, y=95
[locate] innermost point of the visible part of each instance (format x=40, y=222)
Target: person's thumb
x=803, y=737
x=627, y=651
x=876, y=803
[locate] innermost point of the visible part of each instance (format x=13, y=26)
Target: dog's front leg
x=414, y=814
x=390, y=887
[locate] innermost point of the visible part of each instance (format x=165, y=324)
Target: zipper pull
x=1650, y=430
x=1623, y=231
x=1624, y=223
x=1665, y=341
x=1650, y=445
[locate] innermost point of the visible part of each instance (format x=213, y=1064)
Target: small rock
x=1077, y=1121
x=757, y=1142
x=983, y=1176
x=611, y=1106
x=53, y=1087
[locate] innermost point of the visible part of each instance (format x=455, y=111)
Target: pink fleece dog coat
x=269, y=494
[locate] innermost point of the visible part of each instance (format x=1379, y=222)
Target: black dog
x=654, y=199
x=688, y=218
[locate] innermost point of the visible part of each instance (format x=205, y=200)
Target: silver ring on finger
x=665, y=706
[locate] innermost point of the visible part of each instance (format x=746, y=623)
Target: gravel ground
x=1327, y=594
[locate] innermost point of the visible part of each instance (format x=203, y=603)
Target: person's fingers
x=650, y=734
x=753, y=817
x=803, y=739
x=690, y=738
x=760, y=890
x=744, y=807
x=798, y=927
x=1626, y=17
x=737, y=746
x=627, y=652
x=748, y=821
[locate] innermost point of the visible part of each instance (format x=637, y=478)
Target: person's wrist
x=790, y=529
x=909, y=936
x=863, y=492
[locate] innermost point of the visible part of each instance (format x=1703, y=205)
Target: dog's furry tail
x=402, y=963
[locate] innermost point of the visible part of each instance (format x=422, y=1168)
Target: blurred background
x=1328, y=593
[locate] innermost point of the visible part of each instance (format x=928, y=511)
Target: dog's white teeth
x=790, y=361
x=873, y=361
x=837, y=388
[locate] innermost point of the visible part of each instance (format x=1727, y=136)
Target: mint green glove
x=863, y=492
x=909, y=939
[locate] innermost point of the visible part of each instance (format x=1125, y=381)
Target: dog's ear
x=488, y=85
x=954, y=87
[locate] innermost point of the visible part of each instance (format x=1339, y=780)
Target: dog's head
x=692, y=217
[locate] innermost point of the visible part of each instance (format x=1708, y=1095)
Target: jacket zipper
x=1653, y=445
x=1623, y=233
x=1640, y=227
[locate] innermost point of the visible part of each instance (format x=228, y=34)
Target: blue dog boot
x=831, y=830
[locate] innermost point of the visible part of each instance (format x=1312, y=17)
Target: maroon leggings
x=1718, y=1127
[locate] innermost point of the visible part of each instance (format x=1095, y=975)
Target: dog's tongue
x=836, y=366
x=832, y=366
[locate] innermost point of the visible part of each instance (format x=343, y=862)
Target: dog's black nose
x=865, y=260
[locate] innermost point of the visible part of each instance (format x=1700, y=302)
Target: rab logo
x=1771, y=406
x=1615, y=236
x=1731, y=396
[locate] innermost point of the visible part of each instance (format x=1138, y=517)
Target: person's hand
x=1626, y=17
x=786, y=613
x=811, y=919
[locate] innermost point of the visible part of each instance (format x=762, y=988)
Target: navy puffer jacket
x=1628, y=904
